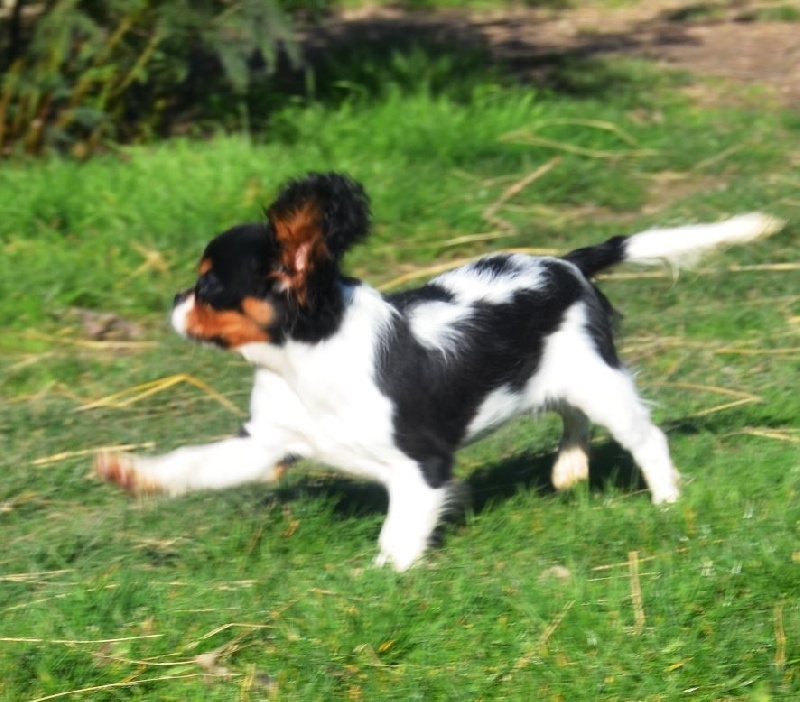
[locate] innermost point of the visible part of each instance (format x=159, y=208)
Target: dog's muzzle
x=181, y=304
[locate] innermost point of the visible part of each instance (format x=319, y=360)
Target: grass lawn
x=268, y=593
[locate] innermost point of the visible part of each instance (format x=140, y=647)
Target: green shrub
x=81, y=73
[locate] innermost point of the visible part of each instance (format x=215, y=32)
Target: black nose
x=180, y=297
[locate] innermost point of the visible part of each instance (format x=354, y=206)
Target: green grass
x=98, y=590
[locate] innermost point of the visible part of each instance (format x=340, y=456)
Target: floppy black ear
x=340, y=207
x=315, y=220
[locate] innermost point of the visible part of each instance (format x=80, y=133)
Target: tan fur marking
x=120, y=469
x=232, y=328
x=204, y=266
x=260, y=311
x=303, y=244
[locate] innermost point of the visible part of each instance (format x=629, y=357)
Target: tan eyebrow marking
x=204, y=266
x=259, y=311
x=232, y=328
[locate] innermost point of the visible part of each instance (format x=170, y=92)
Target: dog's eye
x=207, y=287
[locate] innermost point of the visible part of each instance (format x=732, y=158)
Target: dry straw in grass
x=780, y=636
x=78, y=642
x=490, y=213
x=130, y=396
x=32, y=577
x=791, y=436
x=636, y=593
x=436, y=269
x=120, y=684
x=540, y=648
x=66, y=455
x=93, y=345
x=531, y=137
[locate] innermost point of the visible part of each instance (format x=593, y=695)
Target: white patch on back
x=435, y=324
x=473, y=283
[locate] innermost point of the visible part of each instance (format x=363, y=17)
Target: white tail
x=683, y=246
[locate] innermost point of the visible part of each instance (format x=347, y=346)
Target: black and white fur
x=389, y=387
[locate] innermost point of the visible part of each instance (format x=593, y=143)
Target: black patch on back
x=593, y=259
x=431, y=292
x=436, y=397
x=497, y=264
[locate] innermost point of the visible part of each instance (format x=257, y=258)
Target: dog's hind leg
x=572, y=462
x=414, y=511
x=612, y=401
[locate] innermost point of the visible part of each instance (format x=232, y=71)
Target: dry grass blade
x=490, y=213
x=551, y=628
x=526, y=137
x=225, y=627
x=780, y=636
x=758, y=352
x=122, y=683
x=77, y=642
x=636, y=592
x=525, y=660
x=774, y=267
x=31, y=577
x=66, y=455
x=788, y=435
x=721, y=156
x=472, y=239
x=130, y=396
x=727, y=405
x=626, y=564
x=93, y=345
x=635, y=276
x=438, y=268
x=709, y=388
x=622, y=575
x=600, y=124
x=153, y=260
x=424, y=272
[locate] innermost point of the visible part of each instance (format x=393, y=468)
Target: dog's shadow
x=611, y=468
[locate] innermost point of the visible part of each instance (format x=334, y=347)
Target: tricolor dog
x=389, y=387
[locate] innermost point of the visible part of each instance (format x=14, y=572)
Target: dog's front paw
x=669, y=492
x=123, y=470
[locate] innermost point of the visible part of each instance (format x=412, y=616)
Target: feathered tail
x=678, y=246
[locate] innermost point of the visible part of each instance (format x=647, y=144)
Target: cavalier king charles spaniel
x=389, y=387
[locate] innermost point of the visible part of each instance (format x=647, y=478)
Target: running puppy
x=388, y=387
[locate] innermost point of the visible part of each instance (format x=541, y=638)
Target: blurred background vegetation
x=81, y=75
x=78, y=74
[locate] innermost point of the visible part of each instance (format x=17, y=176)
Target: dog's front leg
x=208, y=467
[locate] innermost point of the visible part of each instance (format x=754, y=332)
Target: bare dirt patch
x=728, y=40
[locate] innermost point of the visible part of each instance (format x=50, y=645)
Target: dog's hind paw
x=121, y=469
x=570, y=468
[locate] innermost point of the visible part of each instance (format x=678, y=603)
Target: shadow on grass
x=446, y=53
x=452, y=52
x=611, y=468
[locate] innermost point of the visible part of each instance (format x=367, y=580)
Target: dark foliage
x=79, y=73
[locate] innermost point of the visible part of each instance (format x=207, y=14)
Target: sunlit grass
x=589, y=595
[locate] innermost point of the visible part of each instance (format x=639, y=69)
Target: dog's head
x=265, y=282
